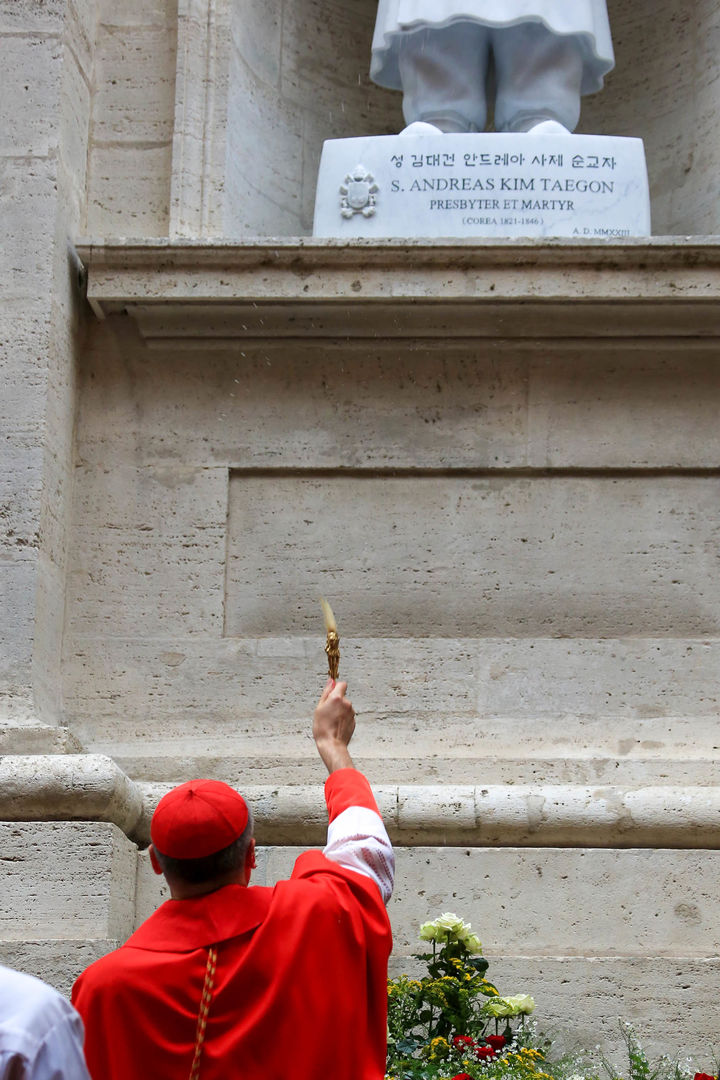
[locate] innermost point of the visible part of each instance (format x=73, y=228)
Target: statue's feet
x=549, y=127
x=420, y=127
x=545, y=127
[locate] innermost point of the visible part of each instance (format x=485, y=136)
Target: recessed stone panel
x=463, y=555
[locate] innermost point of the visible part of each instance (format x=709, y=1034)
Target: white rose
x=444, y=928
x=453, y=923
x=472, y=943
x=497, y=1007
x=450, y=927
x=521, y=1003
x=428, y=931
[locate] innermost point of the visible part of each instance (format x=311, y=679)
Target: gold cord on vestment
x=205, y=1000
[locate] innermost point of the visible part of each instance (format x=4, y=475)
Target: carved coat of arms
x=358, y=193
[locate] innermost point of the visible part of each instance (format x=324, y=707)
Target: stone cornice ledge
x=171, y=286
x=90, y=787
x=69, y=787
x=506, y=816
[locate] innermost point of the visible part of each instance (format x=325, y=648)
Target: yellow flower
x=437, y=1049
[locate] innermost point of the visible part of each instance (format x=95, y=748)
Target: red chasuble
x=299, y=988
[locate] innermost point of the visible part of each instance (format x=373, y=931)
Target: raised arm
x=357, y=838
x=333, y=726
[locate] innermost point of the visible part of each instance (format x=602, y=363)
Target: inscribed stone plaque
x=461, y=556
x=588, y=187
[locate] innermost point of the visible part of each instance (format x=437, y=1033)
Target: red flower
x=704, y=1076
x=485, y=1053
x=463, y=1042
x=462, y=1076
x=496, y=1042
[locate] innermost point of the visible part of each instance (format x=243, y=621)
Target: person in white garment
x=41, y=1035
x=546, y=54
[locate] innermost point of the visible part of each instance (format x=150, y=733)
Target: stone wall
x=48, y=58
x=130, y=144
x=538, y=575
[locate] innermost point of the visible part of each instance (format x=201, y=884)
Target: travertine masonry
x=66, y=880
x=68, y=896
x=574, y=613
x=130, y=147
x=43, y=135
x=258, y=87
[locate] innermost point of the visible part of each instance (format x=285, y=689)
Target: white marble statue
x=546, y=53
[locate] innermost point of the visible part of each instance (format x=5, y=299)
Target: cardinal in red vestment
x=228, y=980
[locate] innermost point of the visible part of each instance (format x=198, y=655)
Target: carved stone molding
x=220, y=291
x=91, y=787
x=69, y=787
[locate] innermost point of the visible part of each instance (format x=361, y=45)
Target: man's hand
x=333, y=726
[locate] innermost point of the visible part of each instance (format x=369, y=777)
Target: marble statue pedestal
x=482, y=185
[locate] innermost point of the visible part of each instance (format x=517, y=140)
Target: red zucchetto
x=197, y=819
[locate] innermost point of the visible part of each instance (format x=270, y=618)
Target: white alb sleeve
x=41, y=1035
x=357, y=840
x=60, y=1057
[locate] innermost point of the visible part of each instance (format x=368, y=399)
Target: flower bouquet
x=453, y=1024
